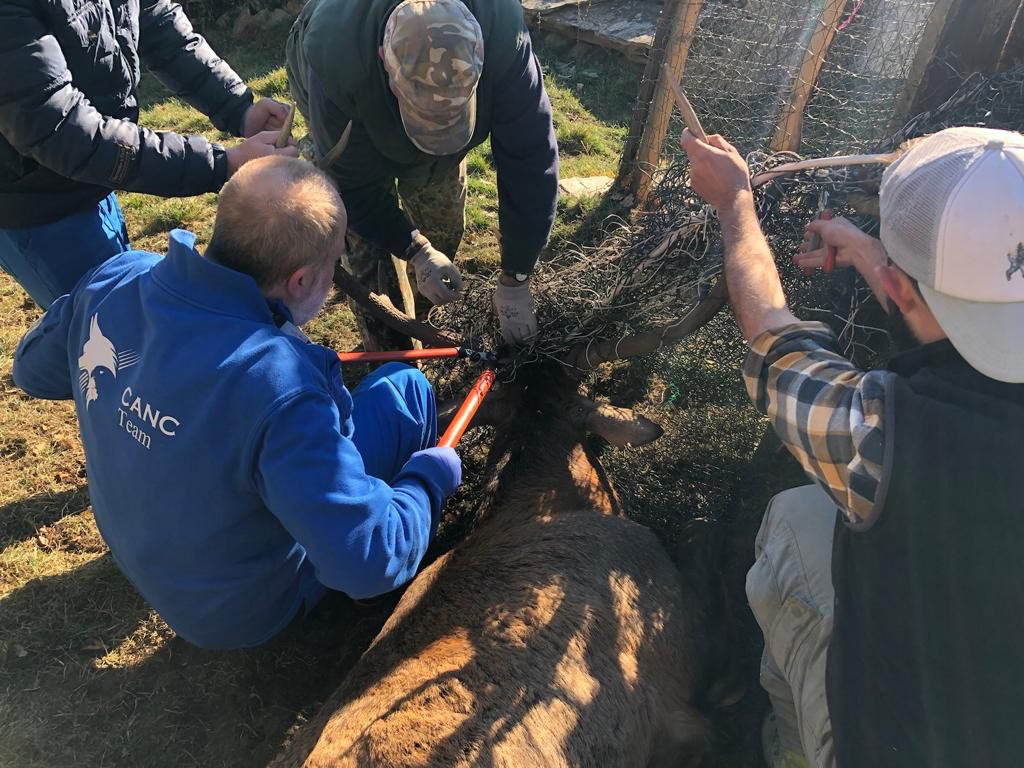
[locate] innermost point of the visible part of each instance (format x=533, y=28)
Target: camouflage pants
x=435, y=200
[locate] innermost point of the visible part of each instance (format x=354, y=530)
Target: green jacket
x=336, y=75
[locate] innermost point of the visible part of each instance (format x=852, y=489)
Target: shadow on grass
x=771, y=470
x=89, y=676
x=20, y=520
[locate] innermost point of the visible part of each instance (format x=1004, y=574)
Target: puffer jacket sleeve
x=46, y=118
x=183, y=61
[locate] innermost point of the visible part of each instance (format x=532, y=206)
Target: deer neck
x=553, y=482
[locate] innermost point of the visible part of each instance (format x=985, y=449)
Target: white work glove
x=437, y=279
x=514, y=306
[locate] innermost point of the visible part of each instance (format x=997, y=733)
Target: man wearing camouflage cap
x=422, y=82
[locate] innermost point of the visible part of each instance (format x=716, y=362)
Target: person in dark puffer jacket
x=69, y=136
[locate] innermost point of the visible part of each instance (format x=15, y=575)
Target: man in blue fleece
x=420, y=83
x=232, y=474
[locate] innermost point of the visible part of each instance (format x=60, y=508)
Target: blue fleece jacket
x=221, y=467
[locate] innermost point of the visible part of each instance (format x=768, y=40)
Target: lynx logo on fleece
x=101, y=360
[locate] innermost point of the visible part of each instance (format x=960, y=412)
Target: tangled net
x=983, y=102
x=653, y=269
x=693, y=389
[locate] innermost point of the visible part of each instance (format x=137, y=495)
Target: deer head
x=619, y=426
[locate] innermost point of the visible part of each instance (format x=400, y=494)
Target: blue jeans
x=395, y=416
x=49, y=260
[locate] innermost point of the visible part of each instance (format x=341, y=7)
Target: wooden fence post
x=681, y=28
x=926, y=51
x=789, y=130
x=1013, y=48
x=645, y=95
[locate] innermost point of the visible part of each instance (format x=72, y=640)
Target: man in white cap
x=891, y=592
x=422, y=82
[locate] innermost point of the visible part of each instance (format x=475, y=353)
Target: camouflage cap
x=434, y=54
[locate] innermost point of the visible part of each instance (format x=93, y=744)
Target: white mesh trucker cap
x=953, y=219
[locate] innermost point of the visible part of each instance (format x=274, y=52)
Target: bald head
x=276, y=215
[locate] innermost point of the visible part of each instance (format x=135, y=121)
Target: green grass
x=589, y=145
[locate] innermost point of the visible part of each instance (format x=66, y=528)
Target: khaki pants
x=790, y=592
x=434, y=197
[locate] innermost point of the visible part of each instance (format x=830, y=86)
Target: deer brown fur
x=557, y=634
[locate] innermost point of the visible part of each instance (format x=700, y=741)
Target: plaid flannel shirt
x=826, y=411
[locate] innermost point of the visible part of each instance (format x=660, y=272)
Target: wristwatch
x=519, y=277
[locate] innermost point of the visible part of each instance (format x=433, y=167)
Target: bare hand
x=260, y=145
x=853, y=248
x=264, y=115
x=718, y=172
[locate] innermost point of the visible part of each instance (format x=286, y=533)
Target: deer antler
x=327, y=161
x=588, y=356
x=382, y=309
x=818, y=163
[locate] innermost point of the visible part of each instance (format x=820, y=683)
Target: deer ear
x=619, y=426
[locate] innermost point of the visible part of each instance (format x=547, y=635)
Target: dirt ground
x=90, y=676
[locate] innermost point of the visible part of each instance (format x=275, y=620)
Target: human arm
x=47, y=119
x=183, y=61
x=41, y=366
x=719, y=174
x=829, y=414
x=854, y=248
x=365, y=179
x=526, y=159
x=363, y=537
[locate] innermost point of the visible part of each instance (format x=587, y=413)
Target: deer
x=559, y=632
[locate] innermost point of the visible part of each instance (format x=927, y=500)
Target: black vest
x=925, y=666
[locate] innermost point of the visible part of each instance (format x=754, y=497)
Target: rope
x=852, y=16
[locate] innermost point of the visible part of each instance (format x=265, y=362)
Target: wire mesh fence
x=743, y=62
x=747, y=56
x=864, y=74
